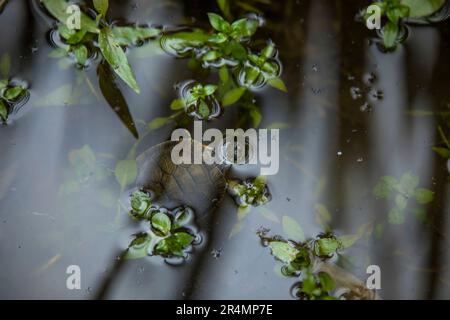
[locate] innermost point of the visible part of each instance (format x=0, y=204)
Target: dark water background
x=333, y=152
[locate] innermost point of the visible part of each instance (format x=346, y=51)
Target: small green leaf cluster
x=297, y=259
x=402, y=191
x=96, y=35
x=200, y=101
x=397, y=11
x=9, y=94
x=250, y=192
x=168, y=235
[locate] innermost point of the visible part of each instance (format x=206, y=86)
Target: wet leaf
x=384, y=187
x=116, y=58
x=175, y=244
x=101, y=6
x=58, y=10
x=158, y=122
x=396, y=216
x=218, y=23
x=83, y=160
x=283, y=251
x=408, y=182
x=244, y=27
x=5, y=65
x=401, y=202
x=3, y=111
x=443, y=152
x=81, y=54
x=126, y=36
x=139, y=247
x=162, y=223
x=292, y=229
x=323, y=216
x=326, y=281
x=326, y=246
x=177, y=104
x=13, y=93
x=233, y=96
x=114, y=97
x=224, y=6
x=390, y=34
x=125, y=172
x=140, y=202
x=424, y=196
x=277, y=83
x=423, y=8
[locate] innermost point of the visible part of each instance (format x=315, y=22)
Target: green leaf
x=13, y=93
x=443, y=152
x=223, y=74
x=116, y=58
x=256, y=117
x=408, y=182
x=81, y=54
x=58, y=9
x=175, y=244
x=224, y=6
x=101, y=6
x=244, y=27
x=114, y=97
x=348, y=240
x=209, y=89
x=326, y=281
x=218, y=38
x=424, y=196
x=401, y=202
x=384, y=187
x=396, y=216
x=177, y=104
x=138, y=248
x=158, y=122
x=277, y=83
x=125, y=172
x=162, y=223
x=3, y=84
x=83, y=160
x=233, y=96
x=3, y=111
x=390, y=34
x=126, y=36
x=283, y=251
x=292, y=229
x=323, y=216
x=423, y=8
x=203, y=109
x=140, y=202
x=5, y=65
x=182, y=217
x=218, y=23
x=326, y=246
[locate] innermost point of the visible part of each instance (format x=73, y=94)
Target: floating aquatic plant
x=250, y=192
x=396, y=13
x=402, y=191
x=168, y=235
x=10, y=93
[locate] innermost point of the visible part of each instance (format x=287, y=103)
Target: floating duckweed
x=250, y=192
x=13, y=95
x=199, y=100
x=170, y=233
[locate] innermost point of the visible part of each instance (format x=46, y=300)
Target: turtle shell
x=200, y=186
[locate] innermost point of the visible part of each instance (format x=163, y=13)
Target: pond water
x=352, y=115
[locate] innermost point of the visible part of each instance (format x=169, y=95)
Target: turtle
x=200, y=186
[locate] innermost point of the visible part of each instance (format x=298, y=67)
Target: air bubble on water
x=376, y=94
x=365, y=107
x=339, y=153
x=369, y=78
x=355, y=93
x=315, y=68
x=360, y=159
x=216, y=253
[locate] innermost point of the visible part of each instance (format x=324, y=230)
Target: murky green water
x=352, y=115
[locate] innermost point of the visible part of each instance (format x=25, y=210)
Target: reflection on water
x=353, y=116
